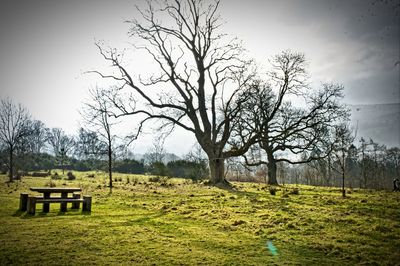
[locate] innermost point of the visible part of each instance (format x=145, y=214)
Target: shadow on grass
x=72, y=213
x=148, y=218
x=18, y=213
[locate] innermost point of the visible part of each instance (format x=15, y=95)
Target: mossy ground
x=177, y=222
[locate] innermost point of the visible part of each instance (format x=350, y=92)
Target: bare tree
x=364, y=161
x=88, y=145
x=343, y=143
x=200, y=75
x=393, y=160
x=97, y=114
x=61, y=144
x=14, y=128
x=38, y=137
x=285, y=131
x=156, y=154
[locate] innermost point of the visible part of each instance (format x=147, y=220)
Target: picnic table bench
x=28, y=203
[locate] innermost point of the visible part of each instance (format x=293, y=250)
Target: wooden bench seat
x=57, y=200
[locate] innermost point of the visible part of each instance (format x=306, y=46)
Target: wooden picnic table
x=47, y=191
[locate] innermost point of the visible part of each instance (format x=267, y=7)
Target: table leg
x=46, y=206
x=63, y=205
x=75, y=205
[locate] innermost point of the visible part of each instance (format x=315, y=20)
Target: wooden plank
x=55, y=189
x=31, y=205
x=23, y=201
x=46, y=206
x=63, y=205
x=75, y=205
x=87, y=203
x=41, y=197
x=51, y=200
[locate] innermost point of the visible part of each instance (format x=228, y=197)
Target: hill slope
x=176, y=222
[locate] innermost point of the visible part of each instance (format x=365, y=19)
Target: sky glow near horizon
x=46, y=46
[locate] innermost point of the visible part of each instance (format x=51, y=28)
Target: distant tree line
x=364, y=164
x=34, y=147
x=28, y=145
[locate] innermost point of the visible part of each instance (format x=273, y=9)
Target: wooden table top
x=55, y=189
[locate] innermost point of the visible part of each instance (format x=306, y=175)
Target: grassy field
x=177, y=222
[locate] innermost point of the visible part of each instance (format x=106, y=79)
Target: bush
x=50, y=184
x=154, y=179
x=40, y=174
x=163, y=180
x=71, y=176
x=55, y=176
x=187, y=169
x=158, y=168
x=135, y=180
x=129, y=166
x=295, y=191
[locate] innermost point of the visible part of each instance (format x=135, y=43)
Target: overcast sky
x=46, y=45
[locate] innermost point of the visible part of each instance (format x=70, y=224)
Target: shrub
x=158, y=168
x=154, y=179
x=17, y=176
x=129, y=166
x=55, y=176
x=71, y=176
x=40, y=174
x=187, y=169
x=135, y=180
x=163, y=180
x=51, y=183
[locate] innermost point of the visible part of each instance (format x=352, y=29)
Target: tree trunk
x=62, y=163
x=217, y=171
x=272, y=171
x=110, y=165
x=343, y=172
x=343, y=190
x=11, y=164
x=329, y=171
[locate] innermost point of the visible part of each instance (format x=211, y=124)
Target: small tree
x=97, y=114
x=343, y=143
x=154, y=157
x=62, y=145
x=14, y=128
x=37, y=140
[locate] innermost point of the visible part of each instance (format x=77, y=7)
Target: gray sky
x=46, y=45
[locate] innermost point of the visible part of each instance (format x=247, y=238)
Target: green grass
x=177, y=222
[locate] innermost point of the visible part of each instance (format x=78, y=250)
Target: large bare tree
x=286, y=131
x=14, y=128
x=198, y=73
